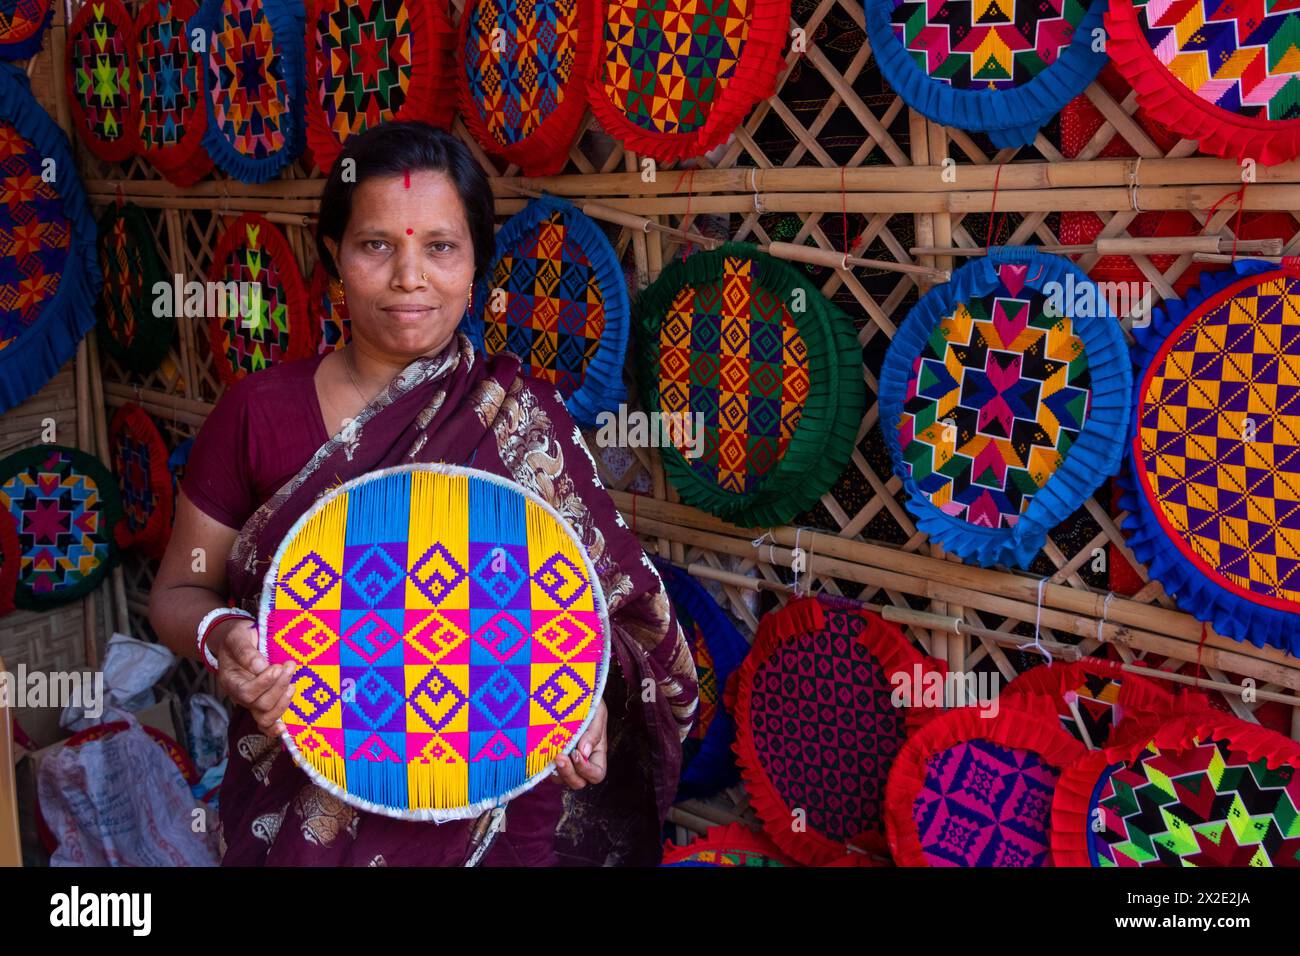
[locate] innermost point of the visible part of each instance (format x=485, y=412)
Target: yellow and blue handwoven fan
x=450, y=639
x=556, y=297
x=1003, y=399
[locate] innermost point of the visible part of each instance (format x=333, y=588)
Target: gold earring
x=470, y=302
x=336, y=293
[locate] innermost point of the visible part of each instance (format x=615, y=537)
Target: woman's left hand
x=586, y=764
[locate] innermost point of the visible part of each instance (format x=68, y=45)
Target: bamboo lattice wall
x=837, y=161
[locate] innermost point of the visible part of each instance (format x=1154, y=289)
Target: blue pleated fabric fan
x=49, y=269
x=708, y=764
x=1004, y=398
x=556, y=297
x=1001, y=67
x=255, y=84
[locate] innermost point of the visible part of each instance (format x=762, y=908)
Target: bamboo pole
x=89, y=620
x=1131, y=246
x=121, y=618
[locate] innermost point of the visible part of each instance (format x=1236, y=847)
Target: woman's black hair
x=391, y=149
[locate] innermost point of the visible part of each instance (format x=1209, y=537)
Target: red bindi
x=410, y=232
x=406, y=178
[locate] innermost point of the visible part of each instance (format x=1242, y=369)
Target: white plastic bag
x=121, y=801
x=207, y=726
x=131, y=668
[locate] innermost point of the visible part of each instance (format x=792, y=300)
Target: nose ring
x=424, y=276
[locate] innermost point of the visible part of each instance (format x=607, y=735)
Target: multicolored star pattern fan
x=49, y=274
x=169, y=87
x=557, y=298
x=22, y=27
x=65, y=507
x=140, y=463
x=724, y=347
x=522, y=75
x=974, y=789
x=266, y=320
x=131, y=330
x=1003, y=402
x=100, y=64
x=11, y=556
x=1215, y=473
x=371, y=61
x=1001, y=67
x=468, y=623
x=1204, y=791
x=330, y=325
x=675, y=79
x=1224, y=72
x=254, y=85
x=817, y=728
x=727, y=846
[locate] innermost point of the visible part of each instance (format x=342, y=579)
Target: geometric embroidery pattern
x=824, y=727
x=1243, y=56
x=22, y=25
x=64, y=506
x=1200, y=804
x=447, y=640
x=554, y=310
x=139, y=459
x=730, y=350
x=995, y=401
x=35, y=236
x=130, y=329
x=1219, y=439
x=169, y=85
x=986, y=44
x=261, y=321
x=732, y=845
x=101, y=58
x=514, y=90
x=983, y=804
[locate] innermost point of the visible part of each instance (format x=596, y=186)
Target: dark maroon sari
x=463, y=408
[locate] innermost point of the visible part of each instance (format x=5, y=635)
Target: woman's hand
x=249, y=678
x=586, y=764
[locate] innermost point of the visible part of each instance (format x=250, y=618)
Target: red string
x=988, y=236
x=689, y=176
x=844, y=212
x=1241, y=205
x=1200, y=646
x=121, y=196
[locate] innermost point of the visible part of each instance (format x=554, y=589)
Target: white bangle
x=208, y=619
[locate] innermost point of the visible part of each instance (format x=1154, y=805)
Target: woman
x=404, y=240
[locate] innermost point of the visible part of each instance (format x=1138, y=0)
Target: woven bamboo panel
x=869, y=184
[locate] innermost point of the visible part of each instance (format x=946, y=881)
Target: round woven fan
x=522, y=72
x=253, y=85
x=371, y=61
x=169, y=88
x=22, y=27
x=1214, y=476
x=708, y=764
x=675, y=81
x=267, y=321
x=972, y=788
x=49, y=279
x=450, y=638
x=1203, y=790
x=10, y=559
x=140, y=461
x=130, y=328
x=556, y=297
x=731, y=845
x=1001, y=67
x=1096, y=699
x=330, y=326
x=65, y=506
x=746, y=345
x=1224, y=73
x=1002, y=414
x=100, y=66
x=817, y=728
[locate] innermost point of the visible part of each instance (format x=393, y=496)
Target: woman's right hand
x=249, y=678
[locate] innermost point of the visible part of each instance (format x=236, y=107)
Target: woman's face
x=407, y=263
